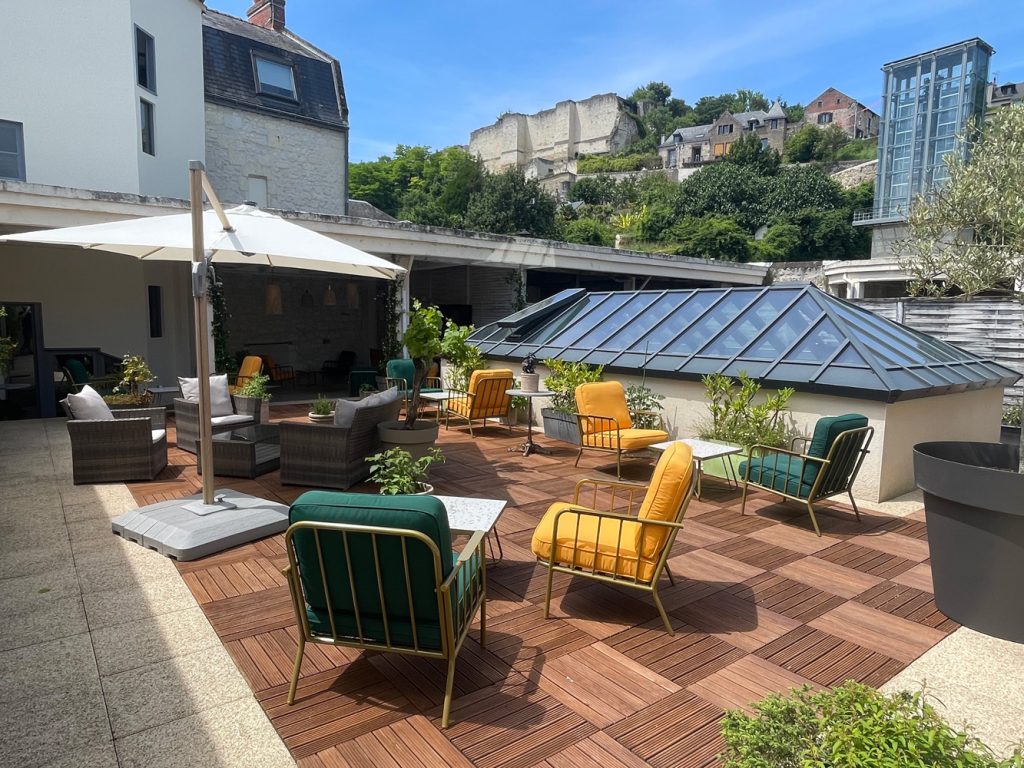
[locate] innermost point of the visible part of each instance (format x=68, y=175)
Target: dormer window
x=274, y=78
x=725, y=129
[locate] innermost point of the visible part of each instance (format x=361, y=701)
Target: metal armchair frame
x=592, y=572
x=608, y=438
x=455, y=619
x=837, y=472
x=487, y=400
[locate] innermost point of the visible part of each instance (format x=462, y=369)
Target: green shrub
x=1011, y=415
x=256, y=386
x=462, y=357
x=395, y=471
x=588, y=231
x=852, y=726
x=564, y=379
x=640, y=397
x=617, y=163
x=735, y=418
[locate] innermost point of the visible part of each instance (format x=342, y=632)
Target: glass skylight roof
x=783, y=335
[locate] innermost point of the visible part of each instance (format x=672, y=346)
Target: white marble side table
x=704, y=450
x=467, y=515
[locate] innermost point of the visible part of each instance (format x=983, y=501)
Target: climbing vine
x=389, y=295
x=517, y=283
x=219, y=324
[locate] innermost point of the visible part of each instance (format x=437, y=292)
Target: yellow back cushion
x=602, y=398
x=488, y=373
x=668, y=488
x=250, y=367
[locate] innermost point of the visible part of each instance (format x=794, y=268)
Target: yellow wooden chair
x=615, y=547
x=252, y=365
x=607, y=425
x=485, y=397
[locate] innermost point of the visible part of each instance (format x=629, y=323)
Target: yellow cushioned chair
x=619, y=547
x=252, y=365
x=485, y=397
x=606, y=423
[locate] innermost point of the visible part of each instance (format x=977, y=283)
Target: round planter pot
x=416, y=440
x=530, y=381
x=972, y=502
x=321, y=418
x=426, y=489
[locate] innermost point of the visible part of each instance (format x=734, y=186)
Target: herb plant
x=256, y=386
x=322, y=406
x=396, y=472
x=564, y=379
x=736, y=419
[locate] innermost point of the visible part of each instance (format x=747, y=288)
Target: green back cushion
x=77, y=370
x=419, y=513
x=826, y=431
x=402, y=369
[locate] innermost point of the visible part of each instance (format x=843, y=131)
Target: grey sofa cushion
x=220, y=396
x=345, y=410
x=89, y=404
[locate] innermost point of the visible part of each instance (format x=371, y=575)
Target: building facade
x=699, y=144
x=833, y=107
x=595, y=126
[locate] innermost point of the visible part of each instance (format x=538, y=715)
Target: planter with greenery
x=131, y=392
x=461, y=357
x=1010, y=429
x=559, y=419
x=395, y=471
x=422, y=339
x=644, y=405
x=736, y=420
x=255, y=388
x=851, y=725
x=322, y=410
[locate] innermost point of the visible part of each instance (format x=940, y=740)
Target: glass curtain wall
x=929, y=100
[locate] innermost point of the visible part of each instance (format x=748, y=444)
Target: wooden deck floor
x=760, y=604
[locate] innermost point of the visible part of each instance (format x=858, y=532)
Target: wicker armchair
x=131, y=446
x=186, y=419
x=329, y=456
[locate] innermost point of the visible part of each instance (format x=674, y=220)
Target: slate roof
x=784, y=335
x=228, y=47
x=776, y=111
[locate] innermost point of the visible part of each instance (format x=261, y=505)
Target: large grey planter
x=417, y=441
x=560, y=426
x=974, y=507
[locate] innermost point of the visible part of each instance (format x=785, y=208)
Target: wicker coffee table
x=246, y=452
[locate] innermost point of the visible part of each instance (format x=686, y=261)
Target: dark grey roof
x=782, y=335
x=755, y=114
x=228, y=47
x=361, y=209
x=776, y=111
x=690, y=133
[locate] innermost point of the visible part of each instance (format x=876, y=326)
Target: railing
x=891, y=212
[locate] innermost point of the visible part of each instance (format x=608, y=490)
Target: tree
x=588, y=231
x=802, y=146
x=711, y=237
x=798, y=187
x=748, y=101
x=748, y=151
x=970, y=232
x=509, y=203
x=724, y=189
x=784, y=240
x=654, y=91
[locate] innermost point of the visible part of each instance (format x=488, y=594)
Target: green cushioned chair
x=834, y=456
x=378, y=573
x=402, y=374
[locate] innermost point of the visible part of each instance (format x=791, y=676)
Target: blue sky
x=431, y=72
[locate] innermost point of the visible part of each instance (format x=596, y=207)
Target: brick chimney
x=267, y=13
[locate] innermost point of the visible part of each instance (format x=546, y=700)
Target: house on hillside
x=694, y=145
x=833, y=107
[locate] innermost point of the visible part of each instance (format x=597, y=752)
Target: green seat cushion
x=424, y=514
x=781, y=472
x=402, y=369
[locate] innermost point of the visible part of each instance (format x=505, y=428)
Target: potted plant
x=322, y=410
x=255, y=387
x=531, y=379
x=1009, y=432
x=131, y=392
x=366, y=388
x=560, y=419
x=461, y=357
x=736, y=420
x=395, y=471
x=422, y=339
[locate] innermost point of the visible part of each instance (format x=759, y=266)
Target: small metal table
x=529, y=446
x=159, y=393
x=246, y=452
x=438, y=400
x=704, y=450
x=467, y=515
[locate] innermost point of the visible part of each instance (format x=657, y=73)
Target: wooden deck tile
x=760, y=603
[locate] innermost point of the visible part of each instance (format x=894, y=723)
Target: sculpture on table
x=530, y=378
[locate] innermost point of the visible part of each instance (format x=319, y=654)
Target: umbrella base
x=220, y=504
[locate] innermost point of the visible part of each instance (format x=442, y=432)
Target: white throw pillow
x=189, y=389
x=220, y=396
x=89, y=404
x=345, y=411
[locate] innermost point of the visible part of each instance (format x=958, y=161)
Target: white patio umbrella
x=241, y=235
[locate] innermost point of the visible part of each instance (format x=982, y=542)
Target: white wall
x=69, y=76
x=176, y=26
x=304, y=165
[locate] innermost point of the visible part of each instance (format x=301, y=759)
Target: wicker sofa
x=131, y=446
x=330, y=456
x=186, y=419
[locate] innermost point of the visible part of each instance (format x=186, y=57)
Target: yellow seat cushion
x=459, y=405
x=488, y=385
x=669, y=485
x=602, y=398
x=629, y=439
x=583, y=547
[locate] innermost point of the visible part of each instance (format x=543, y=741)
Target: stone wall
x=304, y=165
x=597, y=125
x=857, y=174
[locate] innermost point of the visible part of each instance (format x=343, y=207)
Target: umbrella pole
x=195, y=194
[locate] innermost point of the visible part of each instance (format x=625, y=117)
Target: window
x=774, y=124
x=719, y=150
x=12, y=151
x=764, y=143
x=724, y=129
x=819, y=103
x=146, y=125
x=671, y=162
x=824, y=118
x=145, y=60
x=274, y=78
x=156, y=312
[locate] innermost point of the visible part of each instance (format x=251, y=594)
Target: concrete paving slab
x=137, y=602
x=62, y=617
x=32, y=557
x=157, y=694
x=46, y=668
x=130, y=646
x=98, y=756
